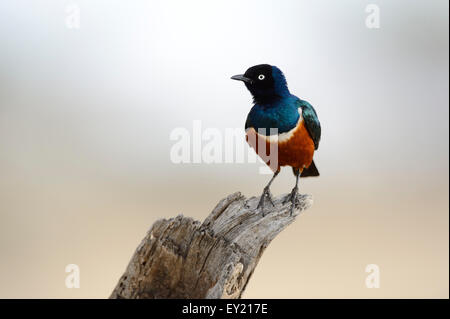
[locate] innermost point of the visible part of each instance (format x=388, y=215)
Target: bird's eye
x=261, y=77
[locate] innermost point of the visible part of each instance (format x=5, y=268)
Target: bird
x=283, y=129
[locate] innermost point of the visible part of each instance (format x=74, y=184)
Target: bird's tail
x=310, y=171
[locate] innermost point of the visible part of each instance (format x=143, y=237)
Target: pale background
x=86, y=114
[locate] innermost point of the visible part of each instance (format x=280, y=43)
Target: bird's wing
x=247, y=122
x=311, y=121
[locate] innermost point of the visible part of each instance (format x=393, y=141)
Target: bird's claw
x=266, y=193
x=293, y=199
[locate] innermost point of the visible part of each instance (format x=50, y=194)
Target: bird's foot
x=266, y=193
x=293, y=199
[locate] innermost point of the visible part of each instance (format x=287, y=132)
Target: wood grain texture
x=183, y=258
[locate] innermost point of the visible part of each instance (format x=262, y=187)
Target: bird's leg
x=266, y=193
x=293, y=197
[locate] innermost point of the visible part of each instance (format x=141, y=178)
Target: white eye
x=261, y=77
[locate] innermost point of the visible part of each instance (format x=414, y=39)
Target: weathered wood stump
x=183, y=258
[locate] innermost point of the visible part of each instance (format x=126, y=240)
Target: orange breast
x=295, y=148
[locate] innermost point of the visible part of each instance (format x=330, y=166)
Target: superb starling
x=279, y=120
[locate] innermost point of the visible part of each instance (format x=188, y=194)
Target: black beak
x=241, y=77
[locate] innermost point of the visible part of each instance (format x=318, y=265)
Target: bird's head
x=265, y=82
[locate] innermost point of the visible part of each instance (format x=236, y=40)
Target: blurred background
x=90, y=92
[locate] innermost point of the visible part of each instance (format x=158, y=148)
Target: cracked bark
x=183, y=258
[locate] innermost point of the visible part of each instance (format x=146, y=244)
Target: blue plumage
x=282, y=114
